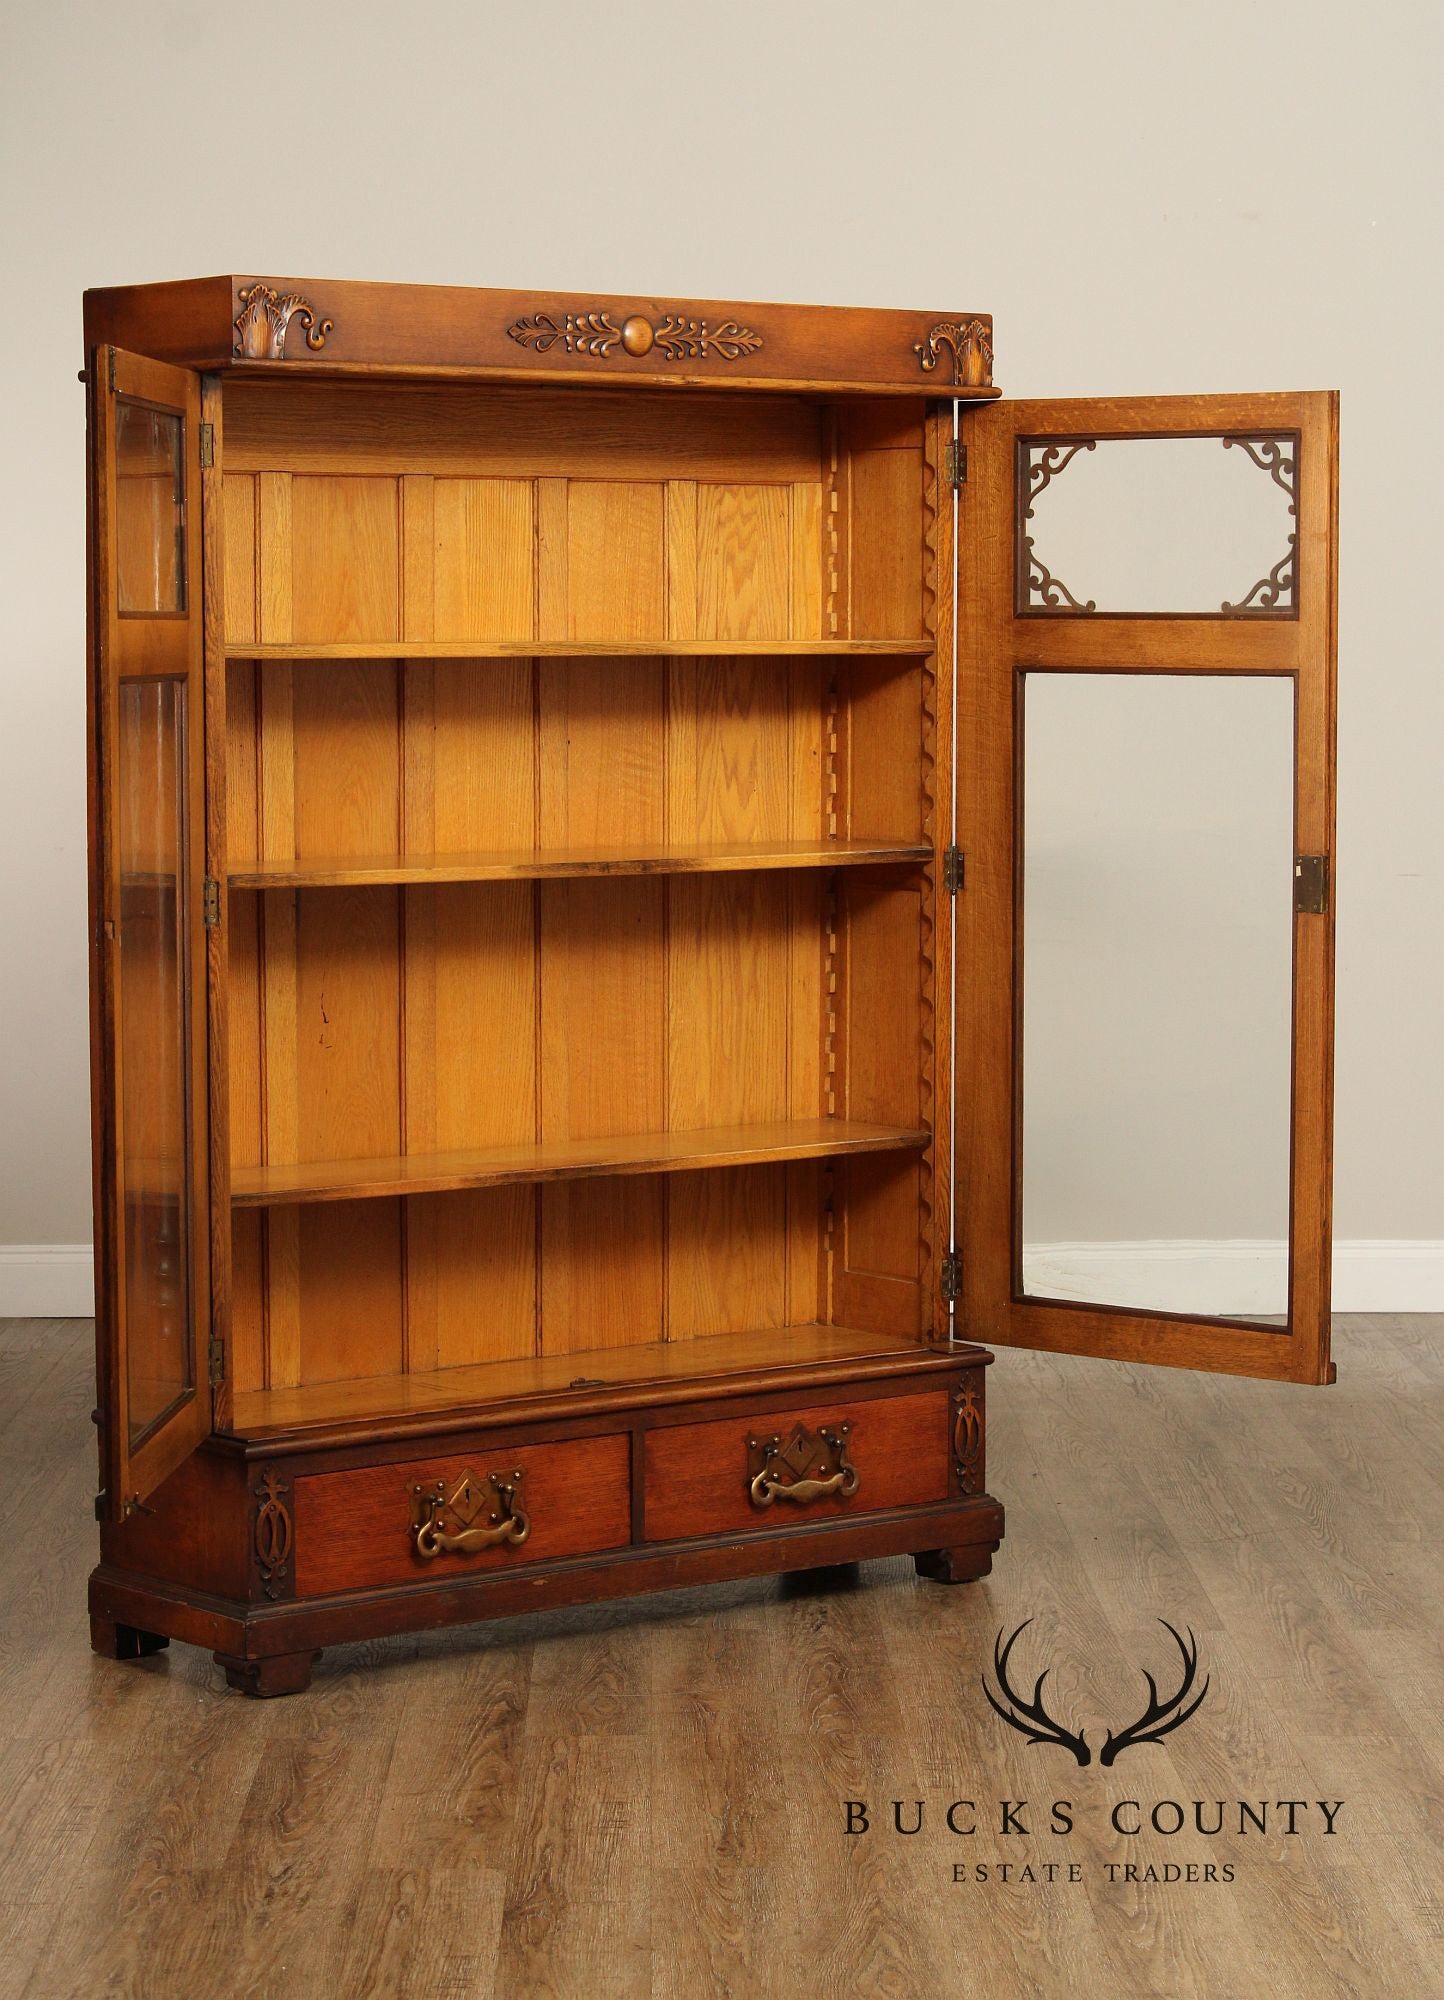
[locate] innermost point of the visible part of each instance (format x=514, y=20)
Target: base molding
x=245, y=1636
x=46, y=1281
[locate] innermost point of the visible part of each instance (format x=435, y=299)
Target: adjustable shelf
x=566, y=1159
x=572, y=649
x=680, y=859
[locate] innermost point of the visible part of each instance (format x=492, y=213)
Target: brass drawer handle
x=433, y=1507
x=816, y=1461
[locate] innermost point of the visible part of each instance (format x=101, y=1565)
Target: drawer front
x=779, y=1470
x=436, y=1519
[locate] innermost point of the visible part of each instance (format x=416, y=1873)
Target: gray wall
x=1148, y=199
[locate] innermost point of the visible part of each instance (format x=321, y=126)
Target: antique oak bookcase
x=555, y=791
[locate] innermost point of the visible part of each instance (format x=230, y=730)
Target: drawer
x=358, y=1530
x=790, y=1466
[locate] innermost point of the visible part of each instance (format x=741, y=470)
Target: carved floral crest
x=264, y=317
x=968, y=341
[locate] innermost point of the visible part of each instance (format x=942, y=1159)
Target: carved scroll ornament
x=676, y=336
x=264, y=317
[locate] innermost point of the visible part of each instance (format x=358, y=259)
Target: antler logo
x=1031, y=1718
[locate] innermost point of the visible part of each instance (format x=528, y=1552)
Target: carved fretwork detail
x=968, y=1438
x=970, y=343
x=675, y=336
x=264, y=317
x=1279, y=459
x=1037, y=588
x=1049, y=589
x=272, y=1536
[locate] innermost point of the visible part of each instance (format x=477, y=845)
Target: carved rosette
x=969, y=342
x=272, y=1536
x=675, y=336
x=968, y=1437
x=264, y=317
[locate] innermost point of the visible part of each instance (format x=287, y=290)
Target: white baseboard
x=1371, y=1274
x=56, y=1280
x=46, y=1281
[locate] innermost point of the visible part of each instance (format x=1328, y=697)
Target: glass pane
x=1181, y=525
x=150, y=533
x=152, y=1031
x=1157, y=990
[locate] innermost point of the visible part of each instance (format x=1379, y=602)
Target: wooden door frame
x=997, y=646
x=167, y=647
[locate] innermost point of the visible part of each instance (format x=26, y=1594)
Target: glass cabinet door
x=1145, y=752
x=147, y=889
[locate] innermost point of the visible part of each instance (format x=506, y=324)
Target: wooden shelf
x=570, y=649
x=705, y=859
x=492, y=1392
x=566, y=1159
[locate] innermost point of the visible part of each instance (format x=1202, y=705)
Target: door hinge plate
x=101, y=1511
x=217, y=1361
x=208, y=446
x=1311, y=884
x=950, y=1276
x=211, y=902
x=952, y=869
x=956, y=463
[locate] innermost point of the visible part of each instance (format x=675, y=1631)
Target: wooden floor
x=646, y=1799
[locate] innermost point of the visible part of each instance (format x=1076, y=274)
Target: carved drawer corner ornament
x=264, y=317
x=968, y=1438
x=806, y=1465
x=444, y=1514
x=273, y=1534
x=970, y=343
x=675, y=336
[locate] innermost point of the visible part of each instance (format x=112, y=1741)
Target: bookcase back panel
x=380, y=1020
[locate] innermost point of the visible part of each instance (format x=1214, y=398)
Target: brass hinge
x=950, y=1276
x=1311, y=884
x=217, y=1361
x=956, y=463
x=208, y=446
x=211, y=902
x=952, y=869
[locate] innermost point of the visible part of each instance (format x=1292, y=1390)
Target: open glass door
x=1145, y=747
x=147, y=922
